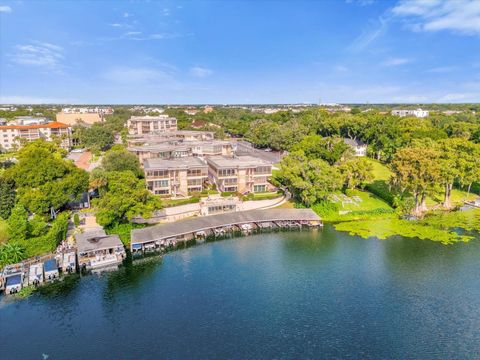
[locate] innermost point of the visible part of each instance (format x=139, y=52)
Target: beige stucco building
x=175, y=177
x=178, y=149
x=138, y=125
x=242, y=174
x=72, y=119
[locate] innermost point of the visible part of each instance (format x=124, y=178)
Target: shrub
x=76, y=220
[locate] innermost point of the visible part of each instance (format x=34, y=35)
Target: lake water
x=293, y=295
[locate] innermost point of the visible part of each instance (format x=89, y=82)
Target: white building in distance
x=419, y=113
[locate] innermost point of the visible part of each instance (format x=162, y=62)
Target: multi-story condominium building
x=175, y=177
x=169, y=137
x=419, y=113
x=151, y=124
x=86, y=118
x=179, y=149
x=241, y=174
x=13, y=135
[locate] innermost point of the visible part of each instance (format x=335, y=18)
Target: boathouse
x=169, y=234
x=96, y=249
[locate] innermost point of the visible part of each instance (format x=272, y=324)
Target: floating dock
x=155, y=237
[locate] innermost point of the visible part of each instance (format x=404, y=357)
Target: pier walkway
x=168, y=234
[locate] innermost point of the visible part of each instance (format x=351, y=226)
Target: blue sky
x=239, y=51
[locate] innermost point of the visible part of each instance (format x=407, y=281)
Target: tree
x=309, y=180
x=329, y=149
x=11, y=253
x=124, y=197
x=76, y=220
x=18, y=223
x=44, y=179
x=357, y=172
x=417, y=169
x=119, y=159
x=7, y=196
x=97, y=137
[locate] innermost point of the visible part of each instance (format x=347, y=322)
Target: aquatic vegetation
x=437, y=227
x=25, y=292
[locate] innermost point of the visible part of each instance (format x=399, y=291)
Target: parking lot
x=246, y=148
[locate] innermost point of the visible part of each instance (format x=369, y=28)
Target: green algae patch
x=437, y=227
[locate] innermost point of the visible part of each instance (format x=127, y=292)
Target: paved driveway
x=246, y=148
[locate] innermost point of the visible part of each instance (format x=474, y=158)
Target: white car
x=268, y=150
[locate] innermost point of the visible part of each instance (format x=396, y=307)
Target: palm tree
x=12, y=253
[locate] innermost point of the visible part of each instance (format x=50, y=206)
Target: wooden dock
x=155, y=237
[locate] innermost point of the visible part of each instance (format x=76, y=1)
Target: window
x=161, y=183
x=259, y=188
x=230, y=181
x=162, y=192
x=192, y=182
x=230, y=188
x=194, y=172
x=158, y=173
x=227, y=172
x=263, y=170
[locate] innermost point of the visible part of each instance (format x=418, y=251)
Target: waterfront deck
x=187, y=229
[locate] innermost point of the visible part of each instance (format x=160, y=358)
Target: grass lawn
x=369, y=207
x=3, y=231
x=177, y=202
x=458, y=197
x=286, y=205
x=380, y=171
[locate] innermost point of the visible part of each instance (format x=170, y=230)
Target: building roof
x=50, y=125
x=183, y=145
x=353, y=142
x=96, y=240
x=237, y=161
x=178, y=163
x=187, y=226
x=152, y=118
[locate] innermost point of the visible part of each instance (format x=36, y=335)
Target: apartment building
x=175, y=177
x=138, y=125
x=13, y=135
x=242, y=174
x=178, y=149
x=169, y=137
x=419, y=113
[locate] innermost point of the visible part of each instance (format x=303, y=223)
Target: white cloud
x=135, y=75
x=41, y=54
x=200, y=72
x=396, y=62
x=126, y=15
x=5, y=9
x=459, y=97
x=442, y=69
x=461, y=16
x=374, y=30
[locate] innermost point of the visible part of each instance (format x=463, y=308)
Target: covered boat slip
x=96, y=249
x=186, y=229
x=35, y=274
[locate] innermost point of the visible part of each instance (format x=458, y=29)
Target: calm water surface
x=294, y=295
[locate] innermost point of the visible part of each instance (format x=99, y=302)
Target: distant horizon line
x=239, y=104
